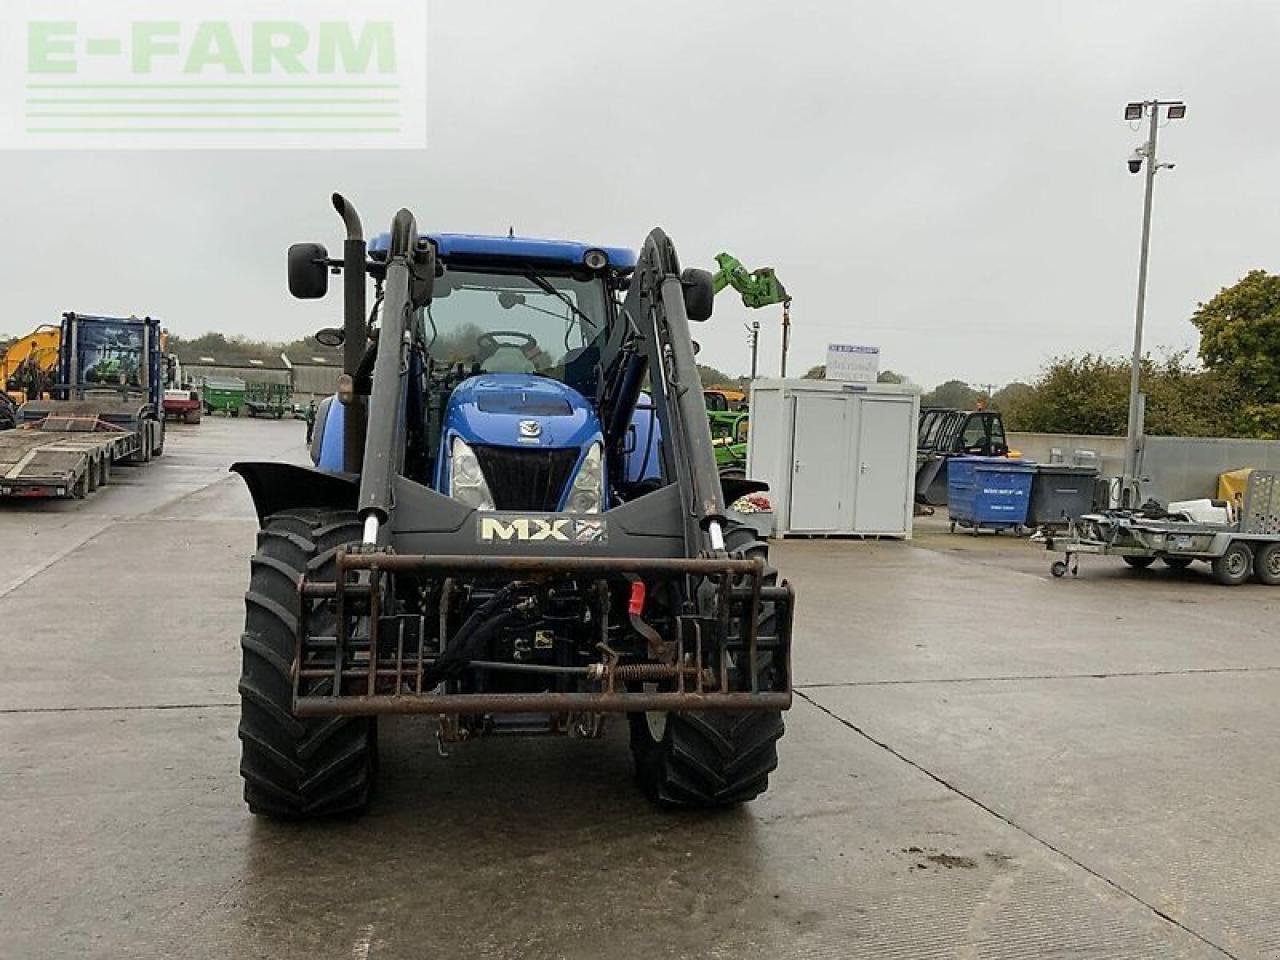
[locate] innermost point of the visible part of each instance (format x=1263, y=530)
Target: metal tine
x=753, y=627
x=399, y=655
x=304, y=620
x=697, y=662
x=374, y=577
x=340, y=641
x=723, y=591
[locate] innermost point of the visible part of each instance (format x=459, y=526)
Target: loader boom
x=759, y=288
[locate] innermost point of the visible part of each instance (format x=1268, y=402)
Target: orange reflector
x=635, y=606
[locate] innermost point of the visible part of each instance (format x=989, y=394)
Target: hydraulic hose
x=469, y=642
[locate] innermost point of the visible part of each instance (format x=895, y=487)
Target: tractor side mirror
x=699, y=294
x=331, y=337
x=308, y=271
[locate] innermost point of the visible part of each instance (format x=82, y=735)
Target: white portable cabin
x=839, y=457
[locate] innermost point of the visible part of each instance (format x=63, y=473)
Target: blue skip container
x=989, y=493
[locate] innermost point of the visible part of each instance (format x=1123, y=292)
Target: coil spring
x=636, y=672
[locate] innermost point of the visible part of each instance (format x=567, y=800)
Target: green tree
x=885, y=376
x=1011, y=401
x=954, y=393
x=1086, y=394
x=711, y=377
x=1090, y=395
x=1240, y=342
x=240, y=350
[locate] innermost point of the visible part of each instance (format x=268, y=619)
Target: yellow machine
x=722, y=399
x=28, y=367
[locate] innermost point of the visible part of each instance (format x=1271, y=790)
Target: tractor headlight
x=587, y=493
x=466, y=481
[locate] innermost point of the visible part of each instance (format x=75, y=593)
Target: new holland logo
x=542, y=528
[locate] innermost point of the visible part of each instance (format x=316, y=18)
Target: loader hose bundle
x=470, y=640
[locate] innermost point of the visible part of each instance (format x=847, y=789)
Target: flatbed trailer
x=108, y=409
x=1249, y=547
x=48, y=462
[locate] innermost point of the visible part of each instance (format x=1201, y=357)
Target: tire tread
x=294, y=768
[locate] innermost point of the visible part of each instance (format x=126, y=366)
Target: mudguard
x=282, y=486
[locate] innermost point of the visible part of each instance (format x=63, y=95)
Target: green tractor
x=729, y=440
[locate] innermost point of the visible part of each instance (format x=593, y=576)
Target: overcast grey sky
x=945, y=180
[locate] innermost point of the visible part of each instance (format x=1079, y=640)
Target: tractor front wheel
x=711, y=758
x=293, y=767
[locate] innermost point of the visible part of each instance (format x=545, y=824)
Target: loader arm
x=411, y=265
x=655, y=307
x=759, y=288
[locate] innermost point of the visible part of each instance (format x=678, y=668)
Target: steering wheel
x=487, y=344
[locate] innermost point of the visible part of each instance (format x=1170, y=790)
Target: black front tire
x=1176, y=563
x=295, y=768
x=711, y=758
x=1139, y=563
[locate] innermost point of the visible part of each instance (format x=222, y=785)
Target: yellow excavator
x=27, y=370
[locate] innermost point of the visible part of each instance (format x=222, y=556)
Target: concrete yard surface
x=982, y=762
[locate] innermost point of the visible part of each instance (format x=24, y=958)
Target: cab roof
x=466, y=247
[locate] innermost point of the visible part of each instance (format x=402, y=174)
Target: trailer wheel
x=1139, y=563
x=192, y=416
x=80, y=488
x=295, y=768
x=1235, y=566
x=1266, y=565
x=104, y=470
x=143, y=453
x=710, y=758
x=1058, y=568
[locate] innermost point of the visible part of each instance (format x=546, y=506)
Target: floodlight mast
x=1174, y=110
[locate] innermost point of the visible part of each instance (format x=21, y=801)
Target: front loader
x=515, y=525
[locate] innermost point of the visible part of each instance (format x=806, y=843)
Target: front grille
x=522, y=479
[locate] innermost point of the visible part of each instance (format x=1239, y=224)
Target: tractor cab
x=944, y=433
x=972, y=432
x=506, y=379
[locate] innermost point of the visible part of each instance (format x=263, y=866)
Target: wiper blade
x=543, y=284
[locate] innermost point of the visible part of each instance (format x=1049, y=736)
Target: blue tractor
x=514, y=524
